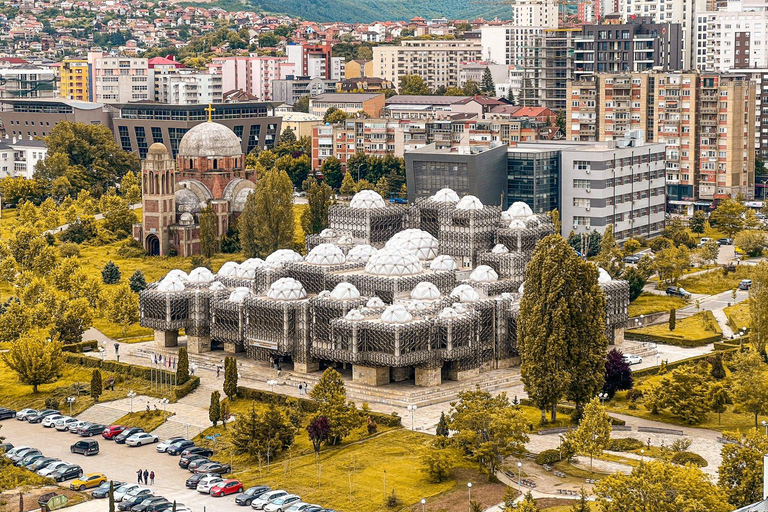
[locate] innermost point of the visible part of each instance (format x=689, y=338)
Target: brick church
x=209, y=170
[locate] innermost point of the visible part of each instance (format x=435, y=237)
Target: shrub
x=131, y=249
x=110, y=274
x=436, y=465
x=634, y=395
x=625, y=444
x=680, y=445
x=695, y=459
x=52, y=403
x=392, y=500
x=69, y=250
x=548, y=457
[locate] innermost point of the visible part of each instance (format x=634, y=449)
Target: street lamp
x=131, y=394
x=519, y=477
x=272, y=383
x=423, y=502
x=602, y=397
x=164, y=401
x=469, y=490
x=765, y=426
x=70, y=401
x=412, y=408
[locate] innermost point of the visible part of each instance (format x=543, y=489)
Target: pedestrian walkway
x=722, y=321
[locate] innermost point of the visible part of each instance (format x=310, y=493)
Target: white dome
x=171, y=284
x=345, y=291
x=465, y=293
x=443, y=262
x=360, y=253
x=425, y=291
x=186, y=219
x=247, y=269
x=355, y=315
x=469, y=203
x=367, y=200
x=325, y=254
x=396, y=314
x=281, y=256
x=177, y=273
x=327, y=232
x=521, y=289
x=374, y=302
x=603, y=276
x=393, y=261
x=499, y=249
x=239, y=294
x=448, y=313
x=229, y=269
x=517, y=224
x=519, y=210
x=445, y=195
x=210, y=140
x=286, y=288
x=201, y=275
x=217, y=286
x=484, y=274
x=419, y=242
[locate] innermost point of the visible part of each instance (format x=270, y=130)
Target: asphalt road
x=118, y=462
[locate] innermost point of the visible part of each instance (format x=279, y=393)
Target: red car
x=112, y=431
x=227, y=487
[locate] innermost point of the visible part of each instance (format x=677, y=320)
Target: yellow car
x=739, y=251
x=87, y=481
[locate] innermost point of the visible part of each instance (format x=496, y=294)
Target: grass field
x=716, y=281
x=648, y=303
x=738, y=316
x=692, y=329
x=148, y=420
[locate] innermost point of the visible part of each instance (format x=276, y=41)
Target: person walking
x=300, y=386
x=306, y=388
x=117, y=347
x=152, y=478
x=139, y=473
x=146, y=476
x=218, y=371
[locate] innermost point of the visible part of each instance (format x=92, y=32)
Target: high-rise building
x=315, y=61
x=736, y=37
x=73, y=84
x=253, y=75
x=119, y=79
x=27, y=81
x=187, y=87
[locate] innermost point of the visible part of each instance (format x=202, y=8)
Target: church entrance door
x=153, y=245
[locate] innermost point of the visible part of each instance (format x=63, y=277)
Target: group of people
x=146, y=477
x=303, y=388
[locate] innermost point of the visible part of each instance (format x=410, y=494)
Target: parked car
x=631, y=359
x=112, y=431
x=163, y=446
x=135, y=492
x=128, y=432
x=147, y=504
x=92, y=429
x=4, y=447
x=192, y=466
x=6, y=413
x=23, y=415
x=197, y=450
x=678, y=291
x=725, y=241
x=86, y=447
x=633, y=259
x=226, y=487
x=160, y=506
x=13, y=451
x=102, y=491
x=73, y=428
x=282, y=503
x=745, y=284
x=251, y=493
x=205, y=485
x=703, y=241
x=67, y=473
x=179, y=447
x=214, y=467
x=17, y=456
x=52, y=468
x=41, y=463
x=141, y=439
x=88, y=482
x=192, y=481
x=260, y=502
x=123, y=490
x=29, y=459
x=300, y=506
x=39, y=416
x=185, y=461
x=50, y=420
x=129, y=502
x=63, y=424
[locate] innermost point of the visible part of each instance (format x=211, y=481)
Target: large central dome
x=210, y=140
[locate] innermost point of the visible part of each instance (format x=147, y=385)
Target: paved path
x=98, y=216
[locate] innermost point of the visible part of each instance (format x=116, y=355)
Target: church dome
x=209, y=140
x=157, y=149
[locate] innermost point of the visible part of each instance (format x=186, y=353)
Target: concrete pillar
x=428, y=377
x=464, y=374
x=231, y=348
x=618, y=336
x=370, y=375
x=307, y=367
x=198, y=344
x=400, y=374
x=167, y=338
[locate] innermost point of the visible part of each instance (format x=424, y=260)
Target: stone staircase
x=173, y=428
x=103, y=414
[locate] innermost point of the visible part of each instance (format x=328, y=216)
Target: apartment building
x=351, y=103
x=735, y=37
x=291, y=88
x=187, y=87
x=73, y=79
x=315, y=61
x=27, y=81
x=437, y=62
x=19, y=156
x=119, y=79
x=253, y=75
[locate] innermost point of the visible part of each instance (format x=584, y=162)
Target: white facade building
x=19, y=156
x=188, y=88
x=736, y=36
x=119, y=79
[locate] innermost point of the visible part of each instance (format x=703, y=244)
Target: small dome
x=484, y=274
x=393, y=261
x=178, y=273
x=469, y=203
x=445, y=195
x=354, y=315
x=157, y=148
x=519, y=210
x=239, y=294
x=374, y=302
x=282, y=256
x=425, y=291
x=171, y=284
x=443, y=262
x=465, y=293
x=208, y=140
x=517, y=224
x=345, y=291
x=448, y=313
x=325, y=254
x=367, y=200
x=421, y=243
x=500, y=249
x=396, y=314
x=416, y=306
x=521, y=289
x=327, y=233
x=360, y=254
x=247, y=269
x=187, y=219
x=603, y=276
x=201, y=275
x=217, y=286
x=286, y=288
x=229, y=269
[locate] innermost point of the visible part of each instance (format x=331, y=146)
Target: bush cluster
x=548, y=457
x=683, y=458
x=625, y=444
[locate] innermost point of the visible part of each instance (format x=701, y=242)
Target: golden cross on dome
x=210, y=111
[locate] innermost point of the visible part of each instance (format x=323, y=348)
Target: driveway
x=118, y=462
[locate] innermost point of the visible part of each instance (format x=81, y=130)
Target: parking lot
x=117, y=462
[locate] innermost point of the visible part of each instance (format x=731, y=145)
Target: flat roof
x=402, y=99
x=345, y=96
x=82, y=105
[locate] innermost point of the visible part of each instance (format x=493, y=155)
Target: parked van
x=86, y=447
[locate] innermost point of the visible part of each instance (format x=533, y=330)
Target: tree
x=671, y=263
x=593, y=434
x=751, y=241
x=123, y=307
x=333, y=115
x=382, y=187
x=230, y=377
x=331, y=171
x=111, y=496
x=618, y=374
x=209, y=232
x=717, y=371
x=214, y=410
x=487, y=86
x=660, y=487
x=672, y=319
x=710, y=251
x=728, y=217
x=319, y=199
x=71, y=321
x=270, y=222
x=741, y=469
x=470, y=88
x=561, y=327
x=297, y=168
x=610, y=257
x=182, y=367
x=331, y=397
x=527, y=504
x=442, y=429
x=684, y=393
x=110, y=274
x=137, y=282
x=96, y=386
x=718, y=399
x=118, y=216
x=412, y=85
x=436, y=465
x=758, y=307
x=264, y=433
x=319, y=429
x=35, y=359
x=749, y=387
x=302, y=104
x=677, y=232
x=247, y=225
x=487, y=429
x=636, y=282
x=348, y=186
x=583, y=504
x=698, y=222
x=288, y=136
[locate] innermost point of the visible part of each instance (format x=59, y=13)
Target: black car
x=135, y=500
x=251, y=494
x=7, y=413
x=180, y=446
x=192, y=466
x=125, y=434
x=160, y=506
x=145, y=505
x=102, y=491
x=41, y=463
x=192, y=481
x=92, y=429
x=678, y=291
x=87, y=447
x=184, y=461
x=29, y=460
x=67, y=473
x=216, y=468
x=725, y=241
x=4, y=447
x=39, y=416
x=198, y=450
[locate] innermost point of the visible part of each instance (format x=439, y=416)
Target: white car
x=50, y=421
x=163, y=447
x=64, y=423
x=263, y=500
x=298, y=507
x=632, y=359
x=122, y=491
x=205, y=483
x=72, y=427
x=22, y=414
x=141, y=439
x=16, y=449
x=282, y=503
x=136, y=490
x=49, y=470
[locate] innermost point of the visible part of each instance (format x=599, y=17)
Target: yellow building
x=74, y=79
x=358, y=69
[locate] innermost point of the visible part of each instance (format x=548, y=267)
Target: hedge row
x=654, y=370
x=568, y=410
x=673, y=340
x=183, y=390
x=79, y=348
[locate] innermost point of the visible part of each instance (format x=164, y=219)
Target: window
x=582, y=184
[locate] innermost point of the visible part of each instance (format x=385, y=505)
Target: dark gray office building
x=533, y=177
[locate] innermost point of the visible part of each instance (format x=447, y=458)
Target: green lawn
x=149, y=421
x=692, y=331
x=716, y=281
x=648, y=303
x=738, y=316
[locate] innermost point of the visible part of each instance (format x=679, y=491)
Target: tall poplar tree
x=315, y=218
x=209, y=232
x=758, y=308
x=273, y=221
